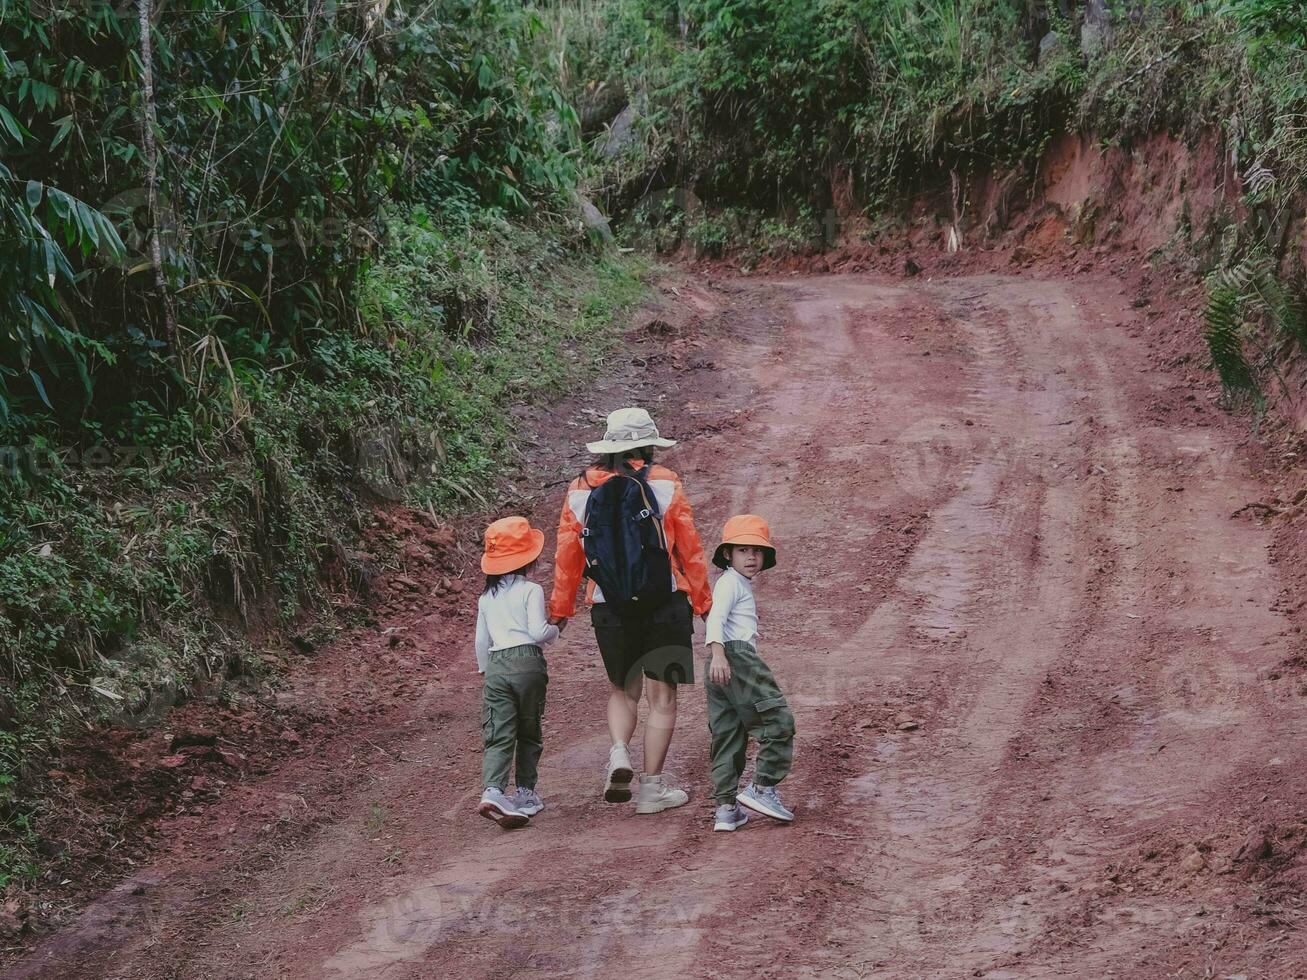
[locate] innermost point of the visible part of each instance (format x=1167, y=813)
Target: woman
x=651, y=651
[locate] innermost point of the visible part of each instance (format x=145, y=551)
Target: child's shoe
x=653, y=795
x=730, y=816
x=620, y=774
x=765, y=800
x=496, y=806
x=526, y=801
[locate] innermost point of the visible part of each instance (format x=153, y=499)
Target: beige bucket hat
x=629, y=428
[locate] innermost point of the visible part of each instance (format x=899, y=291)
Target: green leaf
x=59, y=202
x=44, y=96
x=51, y=251
x=40, y=389
x=65, y=126
x=86, y=218
x=33, y=193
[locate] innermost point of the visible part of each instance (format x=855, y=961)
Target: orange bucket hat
x=511, y=543
x=746, y=529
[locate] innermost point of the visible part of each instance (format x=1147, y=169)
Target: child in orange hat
x=743, y=697
x=511, y=629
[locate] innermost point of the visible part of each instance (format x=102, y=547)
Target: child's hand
x=719, y=670
x=560, y=622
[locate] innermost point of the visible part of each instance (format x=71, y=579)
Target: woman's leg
x=668, y=653
x=624, y=710
x=659, y=726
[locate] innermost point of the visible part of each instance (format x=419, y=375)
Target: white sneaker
x=653, y=795
x=496, y=806
x=620, y=774
x=730, y=817
x=527, y=801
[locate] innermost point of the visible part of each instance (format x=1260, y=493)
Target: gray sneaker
x=765, y=800
x=527, y=801
x=496, y=806
x=730, y=816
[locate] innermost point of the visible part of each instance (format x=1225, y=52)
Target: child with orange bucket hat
x=511, y=629
x=743, y=697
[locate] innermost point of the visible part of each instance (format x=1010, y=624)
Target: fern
x=1254, y=322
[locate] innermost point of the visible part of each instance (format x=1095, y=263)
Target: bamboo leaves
x=254, y=146
x=34, y=270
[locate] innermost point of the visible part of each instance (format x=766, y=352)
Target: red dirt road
x=998, y=519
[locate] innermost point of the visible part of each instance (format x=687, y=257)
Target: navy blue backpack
x=625, y=546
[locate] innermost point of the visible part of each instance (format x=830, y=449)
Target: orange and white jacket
x=688, y=562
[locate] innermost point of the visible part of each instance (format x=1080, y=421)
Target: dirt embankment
x=1162, y=198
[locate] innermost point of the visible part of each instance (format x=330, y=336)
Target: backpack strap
x=650, y=507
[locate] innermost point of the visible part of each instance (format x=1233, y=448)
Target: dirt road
x=1032, y=657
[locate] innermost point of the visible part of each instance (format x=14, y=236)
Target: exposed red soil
x=1010, y=512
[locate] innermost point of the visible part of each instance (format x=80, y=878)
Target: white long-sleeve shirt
x=734, y=613
x=512, y=616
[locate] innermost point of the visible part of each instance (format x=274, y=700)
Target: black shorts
x=660, y=644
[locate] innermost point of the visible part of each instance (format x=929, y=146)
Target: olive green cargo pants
x=512, y=704
x=751, y=703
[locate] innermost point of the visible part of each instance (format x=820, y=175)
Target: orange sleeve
x=689, y=550
x=569, y=563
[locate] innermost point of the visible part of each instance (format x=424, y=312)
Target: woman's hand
x=560, y=622
x=719, y=670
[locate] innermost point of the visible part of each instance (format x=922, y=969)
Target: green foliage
x=37, y=224
x=137, y=576
x=1270, y=23
x=281, y=137
x=366, y=226
x=460, y=325
x=283, y=140
x=1225, y=328
x=1256, y=316
x=24, y=741
x=1254, y=323
x=479, y=319
x=764, y=105
x=769, y=105
x=751, y=233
